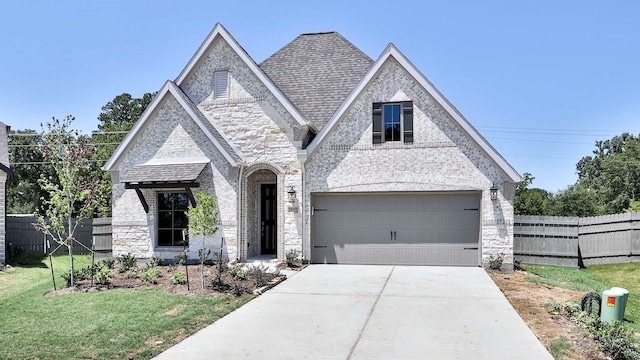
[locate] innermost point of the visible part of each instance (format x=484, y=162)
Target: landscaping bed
x=235, y=280
x=542, y=299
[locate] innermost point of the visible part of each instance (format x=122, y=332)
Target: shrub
x=157, y=261
x=617, y=340
x=103, y=276
x=238, y=273
x=292, y=258
x=179, y=278
x=150, y=275
x=495, y=261
x=78, y=275
x=109, y=262
x=127, y=262
x=221, y=267
x=239, y=288
x=131, y=274
x=261, y=274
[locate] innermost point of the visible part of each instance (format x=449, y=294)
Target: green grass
x=596, y=279
x=106, y=325
x=559, y=347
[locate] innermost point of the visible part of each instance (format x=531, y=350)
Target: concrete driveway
x=371, y=312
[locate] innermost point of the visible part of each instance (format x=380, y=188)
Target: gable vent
x=221, y=85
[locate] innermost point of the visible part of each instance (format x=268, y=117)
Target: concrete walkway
x=371, y=312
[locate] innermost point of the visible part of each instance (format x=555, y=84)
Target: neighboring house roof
x=180, y=170
x=217, y=137
x=316, y=72
x=219, y=30
x=392, y=51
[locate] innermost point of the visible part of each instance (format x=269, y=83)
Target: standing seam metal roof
x=316, y=72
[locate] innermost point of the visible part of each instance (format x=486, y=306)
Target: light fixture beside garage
x=494, y=192
x=292, y=195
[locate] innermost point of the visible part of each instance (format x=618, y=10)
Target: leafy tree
x=27, y=159
x=72, y=191
x=531, y=201
x=612, y=174
x=117, y=117
x=203, y=221
x=576, y=200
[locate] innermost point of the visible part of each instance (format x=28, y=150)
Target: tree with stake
x=203, y=221
x=72, y=192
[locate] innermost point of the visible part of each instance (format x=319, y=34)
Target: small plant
x=221, y=267
x=559, y=347
x=103, y=276
x=238, y=273
x=239, y=288
x=109, y=262
x=181, y=259
x=261, y=275
x=150, y=275
x=157, y=261
x=495, y=261
x=292, y=258
x=127, y=262
x=179, y=278
x=131, y=274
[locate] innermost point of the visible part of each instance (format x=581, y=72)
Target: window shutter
x=407, y=116
x=220, y=84
x=377, y=123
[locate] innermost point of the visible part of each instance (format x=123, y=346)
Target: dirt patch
x=528, y=299
x=253, y=282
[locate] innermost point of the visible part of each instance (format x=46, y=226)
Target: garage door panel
x=422, y=228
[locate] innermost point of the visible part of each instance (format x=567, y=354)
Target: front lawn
x=103, y=324
x=596, y=279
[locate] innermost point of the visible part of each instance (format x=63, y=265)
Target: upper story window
x=221, y=85
x=393, y=122
x=172, y=218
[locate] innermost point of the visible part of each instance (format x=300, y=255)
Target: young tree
x=203, y=221
x=71, y=191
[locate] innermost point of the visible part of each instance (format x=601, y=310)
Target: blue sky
x=541, y=80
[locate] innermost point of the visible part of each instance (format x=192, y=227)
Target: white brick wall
x=254, y=121
x=441, y=158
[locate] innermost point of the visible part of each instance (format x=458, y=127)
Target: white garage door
x=396, y=228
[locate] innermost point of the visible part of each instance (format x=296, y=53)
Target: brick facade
x=4, y=159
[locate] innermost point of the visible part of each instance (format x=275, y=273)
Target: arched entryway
x=262, y=212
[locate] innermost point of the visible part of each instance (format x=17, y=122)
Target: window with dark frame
x=172, y=218
x=393, y=122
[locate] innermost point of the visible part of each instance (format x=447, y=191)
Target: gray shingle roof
x=165, y=172
x=316, y=72
x=214, y=131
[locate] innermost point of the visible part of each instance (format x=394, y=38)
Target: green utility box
x=625, y=297
x=613, y=305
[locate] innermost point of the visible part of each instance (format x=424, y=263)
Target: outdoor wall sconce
x=292, y=195
x=494, y=192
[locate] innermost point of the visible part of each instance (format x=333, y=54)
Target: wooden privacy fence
x=577, y=242
x=21, y=233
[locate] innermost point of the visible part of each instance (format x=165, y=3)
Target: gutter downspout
x=239, y=212
x=302, y=157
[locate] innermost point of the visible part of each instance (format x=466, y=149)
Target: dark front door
x=268, y=218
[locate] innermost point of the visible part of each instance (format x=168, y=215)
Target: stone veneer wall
x=252, y=119
x=171, y=134
x=262, y=130
x=442, y=158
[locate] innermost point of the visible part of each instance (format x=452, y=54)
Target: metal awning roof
x=174, y=172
